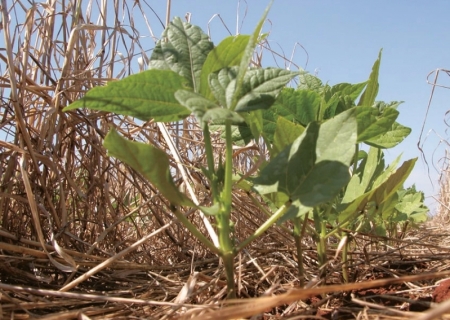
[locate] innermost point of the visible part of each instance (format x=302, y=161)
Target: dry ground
x=391, y=279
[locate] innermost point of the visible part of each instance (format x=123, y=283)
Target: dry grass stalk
x=64, y=203
x=443, y=211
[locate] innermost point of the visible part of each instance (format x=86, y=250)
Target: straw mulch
x=83, y=236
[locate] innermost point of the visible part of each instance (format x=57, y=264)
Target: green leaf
x=254, y=123
x=260, y=87
x=373, y=168
x=146, y=95
x=309, y=82
x=361, y=155
x=384, y=186
x=340, y=97
x=315, y=167
x=222, y=84
x=244, y=132
x=221, y=114
x=328, y=109
x=322, y=183
x=394, y=182
x=275, y=200
x=387, y=208
x=353, y=91
x=380, y=105
x=354, y=208
x=241, y=183
x=183, y=48
x=380, y=230
x=337, y=138
x=270, y=118
x=307, y=106
x=214, y=210
x=419, y=215
x=371, y=124
x=204, y=109
x=247, y=58
x=410, y=203
x=386, y=173
x=353, y=189
x=227, y=54
x=151, y=162
x=370, y=94
x=285, y=172
x=364, y=177
x=258, y=96
x=289, y=105
x=396, y=134
x=299, y=106
x=285, y=134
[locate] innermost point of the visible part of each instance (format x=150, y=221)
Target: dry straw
x=73, y=219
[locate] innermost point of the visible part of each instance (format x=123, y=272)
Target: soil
x=368, y=264
x=442, y=292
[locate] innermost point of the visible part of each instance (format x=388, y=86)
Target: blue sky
x=343, y=39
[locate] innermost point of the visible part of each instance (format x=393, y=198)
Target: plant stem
x=298, y=236
x=266, y=225
x=404, y=229
x=228, y=183
x=322, y=250
x=224, y=217
x=228, y=263
x=265, y=211
x=210, y=161
x=193, y=229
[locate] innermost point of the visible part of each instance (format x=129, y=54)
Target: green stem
x=299, y=232
x=195, y=232
x=228, y=263
x=313, y=232
x=228, y=183
x=210, y=161
x=265, y=211
x=322, y=250
x=336, y=230
x=224, y=217
x=404, y=229
x=266, y=225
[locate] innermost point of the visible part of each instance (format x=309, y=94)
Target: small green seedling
x=189, y=75
x=373, y=195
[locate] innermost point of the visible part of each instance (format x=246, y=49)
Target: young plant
x=371, y=192
x=189, y=75
x=310, y=159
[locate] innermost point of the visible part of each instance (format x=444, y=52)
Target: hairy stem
x=224, y=217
